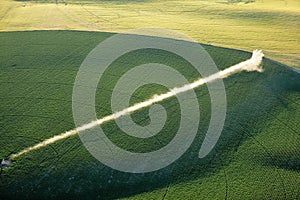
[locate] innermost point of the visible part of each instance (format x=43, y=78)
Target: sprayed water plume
x=252, y=64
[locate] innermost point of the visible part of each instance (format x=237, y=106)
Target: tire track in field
x=5, y=13
x=268, y=153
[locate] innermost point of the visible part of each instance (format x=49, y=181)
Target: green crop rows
x=257, y=156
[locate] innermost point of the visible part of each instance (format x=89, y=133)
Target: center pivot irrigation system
x=252, y=64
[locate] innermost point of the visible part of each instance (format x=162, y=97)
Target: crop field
x=257, y=156
x=271, y=25
x=43, y=44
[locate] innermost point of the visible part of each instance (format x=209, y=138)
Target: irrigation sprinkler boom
x=252, y=64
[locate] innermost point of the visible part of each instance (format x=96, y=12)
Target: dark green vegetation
x=256, y=157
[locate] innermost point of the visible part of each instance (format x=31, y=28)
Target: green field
x=257, y=156
x=270, y=25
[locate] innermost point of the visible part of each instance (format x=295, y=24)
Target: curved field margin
x=271, y=25
x=257, y=156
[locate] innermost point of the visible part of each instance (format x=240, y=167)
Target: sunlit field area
x=43, y=44
x=271, y=25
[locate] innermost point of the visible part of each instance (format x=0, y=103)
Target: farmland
x=42, y=46
x=271, y=25
x=256, y=157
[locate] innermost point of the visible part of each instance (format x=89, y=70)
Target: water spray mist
x=252, y=64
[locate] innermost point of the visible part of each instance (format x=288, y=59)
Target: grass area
x=271, y=25
x=257, y=156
